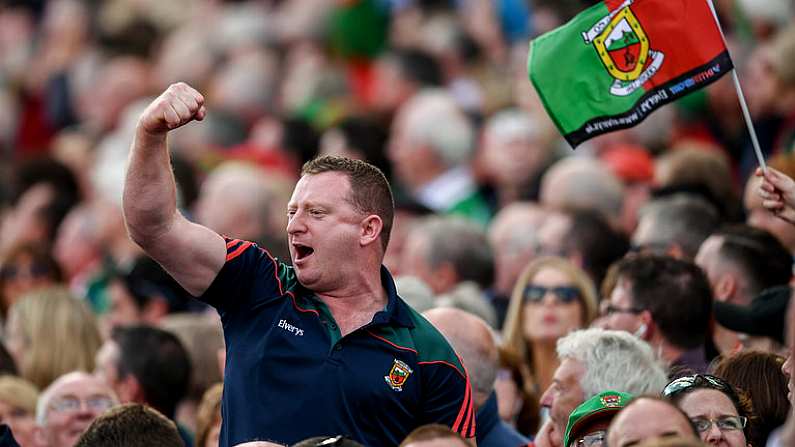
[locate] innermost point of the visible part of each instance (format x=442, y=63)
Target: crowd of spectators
x=562, y=278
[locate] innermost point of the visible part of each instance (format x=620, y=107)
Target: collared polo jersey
x=290, y=375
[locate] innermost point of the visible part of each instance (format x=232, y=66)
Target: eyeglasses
x=71, y=404
x=724, y=423
x=595, y=439
x=35, y=270
x=610, y=309
x=699, y=381
x=564, y=294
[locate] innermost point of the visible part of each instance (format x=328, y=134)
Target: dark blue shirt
x=290, y=375
x=493, y=431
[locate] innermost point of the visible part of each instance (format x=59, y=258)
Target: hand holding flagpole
x=777, y=192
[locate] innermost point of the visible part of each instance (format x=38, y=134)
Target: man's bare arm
x=191, y=253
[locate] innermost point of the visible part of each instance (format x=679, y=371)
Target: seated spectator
x=588, y=422
x=67, y=407
x=131, y=425
x=720, y=413
x=146, y=365
x=666, y=302
x=740, y=262
x=50, y=332
x=433, y=434
x=474, y=342
x=446, y=251
x=583, y=183
x=647, y=418
x=761, y=323
x=144, y=295
x=675, y=225
x=591, y=361
x=759, y=374
x=23, y=269
x=551, y=298
x=18, y=408
x=513, y=236
x=208, y=417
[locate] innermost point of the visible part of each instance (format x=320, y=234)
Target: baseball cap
x=602, y=406
x=765, y=316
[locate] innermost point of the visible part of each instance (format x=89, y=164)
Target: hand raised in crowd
x=777, y=191
x=177, y=106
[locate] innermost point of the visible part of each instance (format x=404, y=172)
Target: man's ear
x=725, y=287
x=371, y=228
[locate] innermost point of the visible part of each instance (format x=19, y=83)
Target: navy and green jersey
x=290, y=375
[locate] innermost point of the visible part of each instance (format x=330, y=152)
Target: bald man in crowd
x=473, y=340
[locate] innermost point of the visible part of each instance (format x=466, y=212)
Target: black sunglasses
x=699, y=381
x=563, y=294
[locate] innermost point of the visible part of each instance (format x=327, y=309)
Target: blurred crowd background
x=436, y=94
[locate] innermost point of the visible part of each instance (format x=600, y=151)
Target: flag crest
x=619, y=60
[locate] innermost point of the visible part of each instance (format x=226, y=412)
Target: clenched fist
x=177, y=106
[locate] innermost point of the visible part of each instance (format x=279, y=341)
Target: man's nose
x=295, y=223
x=546, y=398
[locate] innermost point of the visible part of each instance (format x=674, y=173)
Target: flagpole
x=746, y=115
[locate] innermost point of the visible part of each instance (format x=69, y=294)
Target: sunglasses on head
x=563, y=294
x=698, y=381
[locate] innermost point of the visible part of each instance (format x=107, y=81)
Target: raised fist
x=177, y=106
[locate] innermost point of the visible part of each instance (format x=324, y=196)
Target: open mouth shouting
x=302, y=252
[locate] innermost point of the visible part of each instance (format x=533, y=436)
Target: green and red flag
x=619, y=60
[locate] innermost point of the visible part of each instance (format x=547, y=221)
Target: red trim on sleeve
x=465, y=412
x=392, y=344
x=238, y=251
x=232, y=243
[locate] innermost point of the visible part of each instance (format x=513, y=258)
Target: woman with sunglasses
x=551, y=298
x=719, y=412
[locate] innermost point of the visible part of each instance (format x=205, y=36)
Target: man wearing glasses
x=666, y=302
x=68, y=406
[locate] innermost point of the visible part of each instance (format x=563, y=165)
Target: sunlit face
x=713, y=405
x=551, y=317
x=21, y=422
x=647, y=419
x=565, y=393
x=324, y=231
x=73, y=406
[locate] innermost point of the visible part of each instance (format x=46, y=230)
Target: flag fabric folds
x=619, y=60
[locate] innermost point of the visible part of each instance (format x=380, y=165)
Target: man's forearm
x=149, y=199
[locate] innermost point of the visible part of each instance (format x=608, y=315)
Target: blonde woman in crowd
x=18, y=408
x=51, y=332
x=551, y=298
